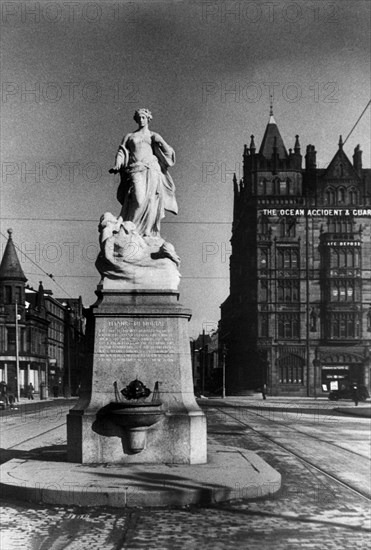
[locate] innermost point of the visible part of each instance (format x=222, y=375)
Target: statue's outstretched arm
x=122, y=156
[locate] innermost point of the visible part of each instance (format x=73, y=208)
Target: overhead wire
x=50, y=275
x=359, y=118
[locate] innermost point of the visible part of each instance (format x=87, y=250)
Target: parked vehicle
x=347, y=393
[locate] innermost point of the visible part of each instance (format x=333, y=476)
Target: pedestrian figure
x=4, y=393
x=11, y=398
x=30, y=390
x=264, y=391
x=355, y=395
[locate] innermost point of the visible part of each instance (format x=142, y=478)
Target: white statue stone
x=133, y=253
x=146, y=189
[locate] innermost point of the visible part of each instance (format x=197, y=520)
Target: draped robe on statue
x=146, y=189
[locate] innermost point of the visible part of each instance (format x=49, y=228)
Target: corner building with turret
x=298, y=316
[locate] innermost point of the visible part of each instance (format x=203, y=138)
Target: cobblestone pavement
x=311, y=512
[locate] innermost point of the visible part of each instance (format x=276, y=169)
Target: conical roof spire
x=272, y=138
x=10, y=268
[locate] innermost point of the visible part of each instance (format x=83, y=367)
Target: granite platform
x=230, y=473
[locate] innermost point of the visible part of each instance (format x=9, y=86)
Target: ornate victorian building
x=298, y=316
x=41, y=338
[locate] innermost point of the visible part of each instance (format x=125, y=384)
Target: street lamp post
x=67, y=347
x=17, y=351
x=223, y=367
x=68, y=352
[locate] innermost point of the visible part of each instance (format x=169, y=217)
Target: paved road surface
x=313, y=511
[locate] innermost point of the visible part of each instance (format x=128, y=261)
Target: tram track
x=307, y=463
x=36, y=436
x=316, y=438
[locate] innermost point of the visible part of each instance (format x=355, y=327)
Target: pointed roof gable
x=10, y=268
x=272, y=137
x=340, y=167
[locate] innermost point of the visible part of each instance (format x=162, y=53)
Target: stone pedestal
x=139, y=335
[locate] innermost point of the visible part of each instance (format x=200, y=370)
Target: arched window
x=330, y=196
x=341, y=195
x=356, y=258
x=350, y=258
x=353, y=196
x=262, y=186
x=342, y=258
x=276, y=186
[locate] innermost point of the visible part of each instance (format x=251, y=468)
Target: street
x=322, y=454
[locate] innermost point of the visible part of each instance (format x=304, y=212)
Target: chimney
x=357, y=160
x=310, y=158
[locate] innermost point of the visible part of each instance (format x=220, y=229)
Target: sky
x=73, y=73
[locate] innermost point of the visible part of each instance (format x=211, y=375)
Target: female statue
x=146, y=189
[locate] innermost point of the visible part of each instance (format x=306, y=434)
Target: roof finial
x=271, y=117
x=10, y=231
x=340, y=142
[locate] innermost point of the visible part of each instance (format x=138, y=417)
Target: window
x=18, y=294
x=263, y=291
x=263, y=258
x=276, y=186
x=330, y=196
x=288, y=227
x=263, y=186
x=11, y=338
x=8, y=294
x=339, y=225
x=353, y=196
x=263, y=225
x=263, y=325
x=345, y=257
x=291, y=374
x=343, y=290
x=341, y=195
x=287, y=258
x=288, y=290
x=344, y=325
x=288, y=325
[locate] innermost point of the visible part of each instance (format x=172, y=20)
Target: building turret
x=297, y=145
x=12, y=278
x=252, y=145
x=40, y=299
x=296, y=155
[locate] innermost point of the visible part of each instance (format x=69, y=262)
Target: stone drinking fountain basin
x=135, y=419
x=135, y=416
